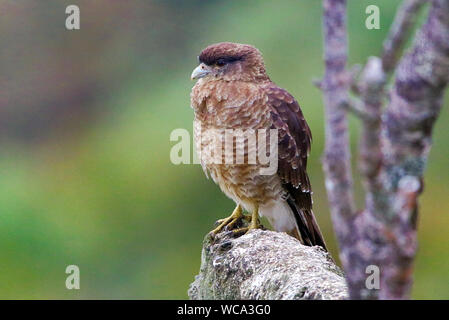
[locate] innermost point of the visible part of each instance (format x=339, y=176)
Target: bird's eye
x=220, y=62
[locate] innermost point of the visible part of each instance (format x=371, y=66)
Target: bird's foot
x=236, y=216
x=254, y=224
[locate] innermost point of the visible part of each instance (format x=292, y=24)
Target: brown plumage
x=234, y=92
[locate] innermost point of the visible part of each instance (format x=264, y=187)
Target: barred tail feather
x=306, y=225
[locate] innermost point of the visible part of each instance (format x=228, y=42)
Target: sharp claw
x=244, y=230
x=240, y=231
x=235, y=221
x=228, y=222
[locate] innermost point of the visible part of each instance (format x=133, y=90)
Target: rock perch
x=265, y=265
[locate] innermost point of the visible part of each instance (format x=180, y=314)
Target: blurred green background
x=85, y=120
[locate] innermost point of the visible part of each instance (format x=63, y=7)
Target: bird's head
x=230, y=61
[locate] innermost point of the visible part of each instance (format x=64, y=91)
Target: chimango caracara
x=233, y=91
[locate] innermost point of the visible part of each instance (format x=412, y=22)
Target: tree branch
x=372, y=89
x=393, y=147
x=416, y=100
x=399, y=32
x=336, y=162
x=265, y=265
x=337, y=165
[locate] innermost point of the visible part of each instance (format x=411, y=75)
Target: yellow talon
x=254, y=223
x=229, y=221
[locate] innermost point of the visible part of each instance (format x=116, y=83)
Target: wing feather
x=294, y=144
x=294, y=137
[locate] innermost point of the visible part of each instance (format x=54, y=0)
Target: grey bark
x=337, y=155
x=394, y=143
x=265, y=265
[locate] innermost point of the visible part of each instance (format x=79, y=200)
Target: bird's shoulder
x=278, y=96
x=294, y=135
x=282, y=102
x=286, y=112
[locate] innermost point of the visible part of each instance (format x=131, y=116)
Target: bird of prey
x=233, y=91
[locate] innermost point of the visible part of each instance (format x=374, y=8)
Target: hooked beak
x=201, y=71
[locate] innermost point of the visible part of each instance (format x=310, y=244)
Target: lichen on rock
x=265, y=265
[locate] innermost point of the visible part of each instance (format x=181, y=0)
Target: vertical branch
x=416, y=99
x=372, y=90
x=371, y=87
x=389, y=213
x=336, y=160
x=399, y=31
x=393, y=147
x=337, y=154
